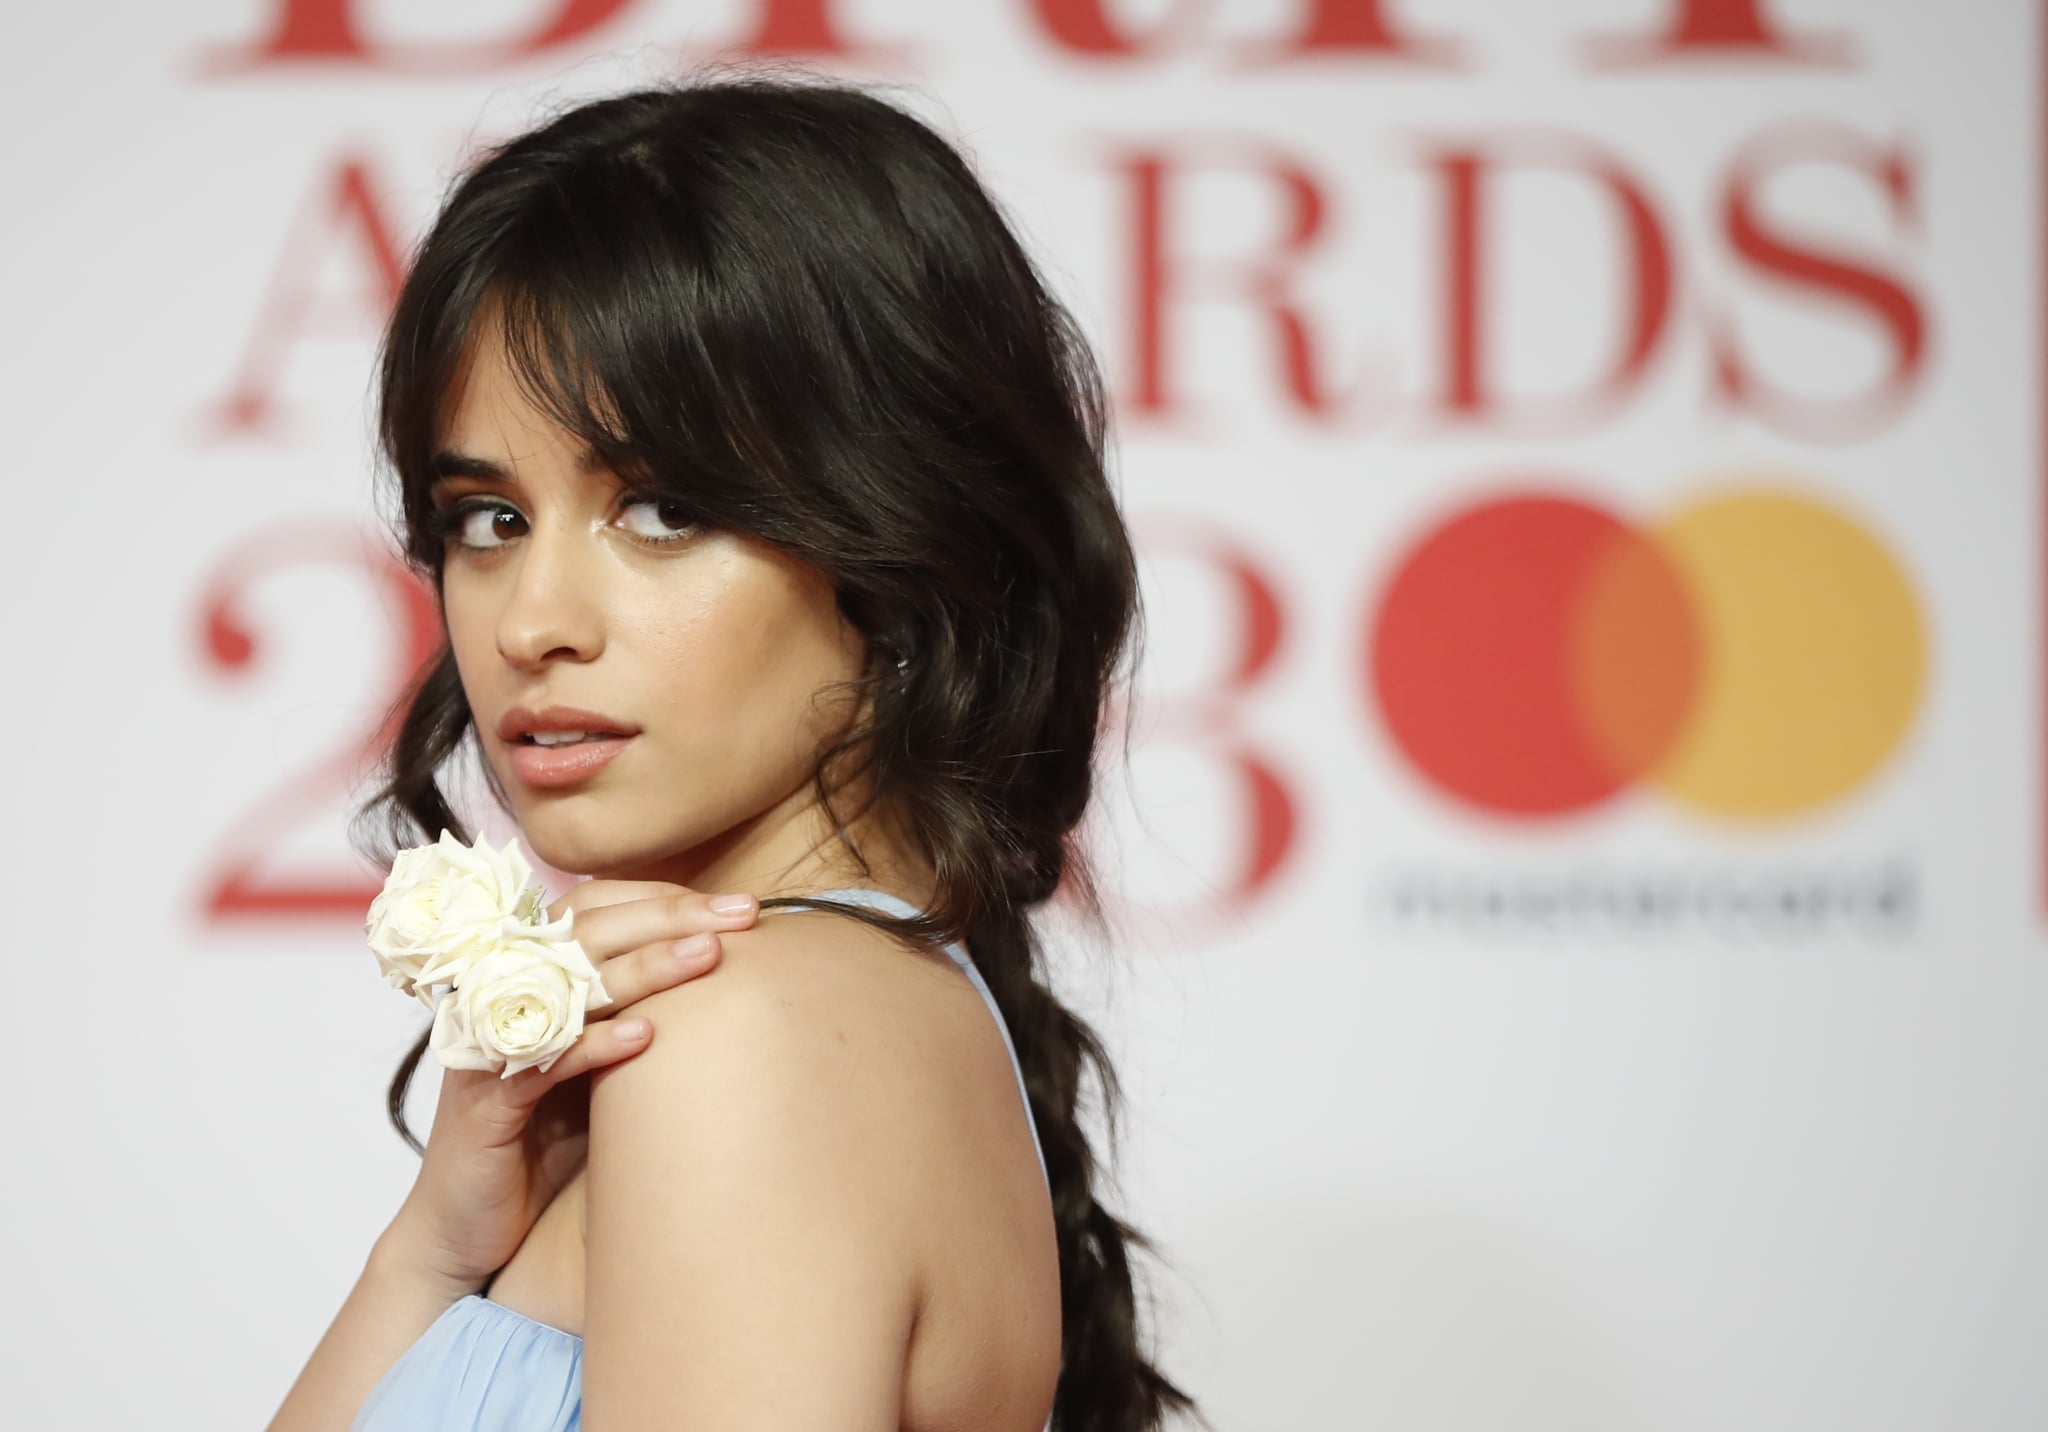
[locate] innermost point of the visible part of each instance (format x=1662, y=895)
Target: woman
x=763, y=486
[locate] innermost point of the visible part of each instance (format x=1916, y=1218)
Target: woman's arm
x=758, y=1181
x=396, y=1299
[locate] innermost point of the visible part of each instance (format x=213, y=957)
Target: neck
x=792, y=849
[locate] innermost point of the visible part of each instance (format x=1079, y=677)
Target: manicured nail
x=731, y=904
x=693, y=949
x=633, y=1028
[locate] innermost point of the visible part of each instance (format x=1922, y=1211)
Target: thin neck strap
x=897, y=905
x=863, y=895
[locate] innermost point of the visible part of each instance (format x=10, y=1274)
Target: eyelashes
x=468, y=522
x=450, y=524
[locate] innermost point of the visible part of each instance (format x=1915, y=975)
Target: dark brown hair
x=791, y=305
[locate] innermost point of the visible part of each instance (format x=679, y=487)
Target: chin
x=574, y=847
x=591, y=844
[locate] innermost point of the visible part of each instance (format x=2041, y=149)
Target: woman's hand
x=501, y=1149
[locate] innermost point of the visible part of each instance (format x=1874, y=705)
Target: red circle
x=1533, y=655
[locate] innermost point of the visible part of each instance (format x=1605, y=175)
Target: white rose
x=444, y=904
x=516, y=1005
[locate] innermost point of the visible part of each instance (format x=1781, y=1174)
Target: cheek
x=468, y=620
x=746, y=658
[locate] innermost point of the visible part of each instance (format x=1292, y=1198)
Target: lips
x=549, y=767
x=567, y=763
x=519, y=723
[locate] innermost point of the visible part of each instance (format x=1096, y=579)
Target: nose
x=553, y=609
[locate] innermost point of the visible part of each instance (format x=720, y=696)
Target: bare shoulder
x=839, y=1044
x=808, y=985
x=762, y=1186
x=756, y=1177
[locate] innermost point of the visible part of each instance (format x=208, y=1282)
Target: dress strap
x=897, y=905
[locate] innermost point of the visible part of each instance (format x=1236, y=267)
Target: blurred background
x=1580, y=890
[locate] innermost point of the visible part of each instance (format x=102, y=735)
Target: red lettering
x=799, y=27
x=1080, y=27
x=326, y=32
x=1469, y=394
x=242, y=880
x=1357, y=28
x=1734, y=29
x=330, y=32
x=1209, y=716
x=1803, y=265
x=348, y=207
x=1161, y=278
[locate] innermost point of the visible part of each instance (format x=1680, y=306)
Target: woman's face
x=706, y=651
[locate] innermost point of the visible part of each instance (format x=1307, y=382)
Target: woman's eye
x=479, y=526
x=663, y=519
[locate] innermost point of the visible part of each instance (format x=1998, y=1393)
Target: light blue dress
x=483, y=1367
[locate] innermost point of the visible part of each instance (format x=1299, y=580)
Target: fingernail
x=696, y=947
x=731, y=904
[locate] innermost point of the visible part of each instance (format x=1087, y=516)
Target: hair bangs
x=631, y=338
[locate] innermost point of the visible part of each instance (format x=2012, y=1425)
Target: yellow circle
x=1814, y=655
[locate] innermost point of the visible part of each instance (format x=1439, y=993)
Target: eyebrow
x=449, y=463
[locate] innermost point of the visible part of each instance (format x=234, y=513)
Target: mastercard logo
x=1755, y=655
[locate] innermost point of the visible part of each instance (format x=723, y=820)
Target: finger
x=631, y=977
x=595, y=894
x=608, y=931
x=607, y=1042
x=590, y=894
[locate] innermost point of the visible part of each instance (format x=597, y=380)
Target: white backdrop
x=1581, y=957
